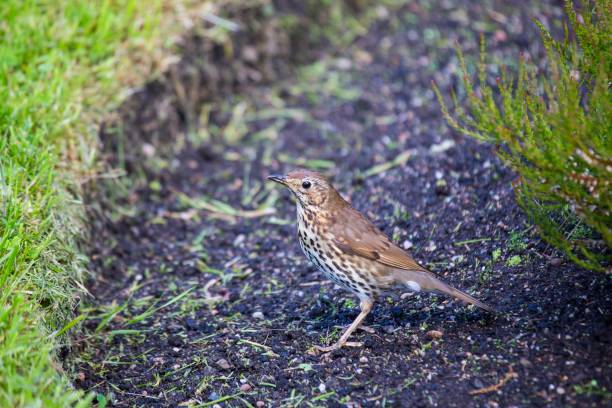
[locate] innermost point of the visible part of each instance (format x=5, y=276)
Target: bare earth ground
x=205, y=307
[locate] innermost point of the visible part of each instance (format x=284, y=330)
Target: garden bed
x=201, y=294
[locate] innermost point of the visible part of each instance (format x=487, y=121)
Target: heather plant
x=553, y=127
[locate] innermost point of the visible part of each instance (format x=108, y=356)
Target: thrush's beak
x=279, y=178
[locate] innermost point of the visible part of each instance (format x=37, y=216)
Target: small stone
x=435, y=334
x=417, y=101
x=148, y=150
x=246, y=387
x=260, y=404
x=524, y=362
x=223, y=363
x=477, y=383
x=556, y=261
x=500, y=36
x=363, y=57
x=258, y=315
x=407, y=244
x=560, y=390
x=442, y=147
x=250, y=54
x=344, y=63
x=322, y=388
x=363, y=359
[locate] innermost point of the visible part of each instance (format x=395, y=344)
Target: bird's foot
x=366, y=329
x=338, y=345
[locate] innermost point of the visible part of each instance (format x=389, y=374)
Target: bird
x=352, y=252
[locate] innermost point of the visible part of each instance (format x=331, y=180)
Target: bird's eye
x=306, y=184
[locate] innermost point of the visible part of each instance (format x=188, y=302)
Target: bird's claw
x=339, y=345
x=367, y=329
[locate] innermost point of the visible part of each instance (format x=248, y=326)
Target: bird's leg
x=366, y=306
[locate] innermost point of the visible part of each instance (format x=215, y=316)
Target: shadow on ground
x=201, y=295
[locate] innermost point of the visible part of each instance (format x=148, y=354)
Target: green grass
x=63, y=64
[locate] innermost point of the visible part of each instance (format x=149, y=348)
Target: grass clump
x=553, y=129
x=63, y=64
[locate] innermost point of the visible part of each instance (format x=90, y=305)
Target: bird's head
x=312, y=189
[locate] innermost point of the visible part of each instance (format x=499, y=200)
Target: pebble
x=246, y=387
x=556, y=261
x=432, y=247
x=344, y=63
x=148, y=150
x=407, y=244
x=500, y=36
x=322, y=388
x=260, y=404
x=442, y=147
x=258, y=315
x=239, y=240
x=250, y=54
x=223, y=363
x=363, y=359
x=435, y=334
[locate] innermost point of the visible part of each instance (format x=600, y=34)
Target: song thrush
x=351, y=251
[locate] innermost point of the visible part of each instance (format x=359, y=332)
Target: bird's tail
x=425, y=280
x=466, y=298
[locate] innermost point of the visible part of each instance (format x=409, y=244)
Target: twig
x=509, y=375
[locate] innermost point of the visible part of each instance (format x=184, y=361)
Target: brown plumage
x=351, y=251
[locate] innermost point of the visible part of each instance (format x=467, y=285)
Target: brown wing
x=356, y=235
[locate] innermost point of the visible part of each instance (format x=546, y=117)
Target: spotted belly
x=342, y=273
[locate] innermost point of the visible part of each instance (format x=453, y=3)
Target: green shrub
x=553, y=129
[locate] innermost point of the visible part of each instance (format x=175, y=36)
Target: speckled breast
x=327, y=260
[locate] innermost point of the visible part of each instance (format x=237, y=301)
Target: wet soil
x=201, y=295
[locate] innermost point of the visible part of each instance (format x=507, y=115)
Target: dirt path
x=196, y=306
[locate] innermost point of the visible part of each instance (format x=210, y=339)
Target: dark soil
x=245, y=308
